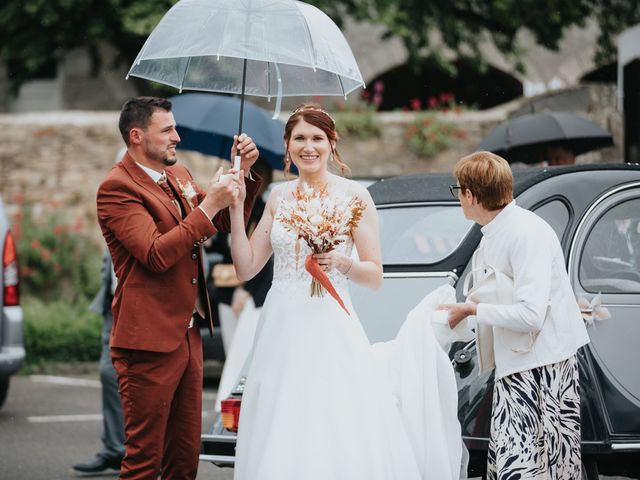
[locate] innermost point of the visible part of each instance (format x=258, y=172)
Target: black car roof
x=434, y=187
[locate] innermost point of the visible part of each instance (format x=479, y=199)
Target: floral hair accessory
x=311, y=108
x=188, y=192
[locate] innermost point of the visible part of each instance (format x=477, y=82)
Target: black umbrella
x=206, y=123
x=518, y=139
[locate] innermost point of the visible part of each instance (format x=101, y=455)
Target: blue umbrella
x=206, y=123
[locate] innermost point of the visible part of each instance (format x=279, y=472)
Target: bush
x=358, y=119
x=58, y=331
x=56, y=260
x=428, y=135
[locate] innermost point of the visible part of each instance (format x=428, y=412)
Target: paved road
x=50, y=423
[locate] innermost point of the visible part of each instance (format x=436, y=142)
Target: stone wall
x=59, y=158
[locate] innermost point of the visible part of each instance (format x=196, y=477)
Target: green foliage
x=58, y=331
x=33, y=33
x=428, y=135
x=56, y=261
x=358, y=119
x=463, y=26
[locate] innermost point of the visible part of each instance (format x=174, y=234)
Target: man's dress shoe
x=99, y=464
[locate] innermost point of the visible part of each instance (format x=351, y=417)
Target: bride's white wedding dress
x=321, y=403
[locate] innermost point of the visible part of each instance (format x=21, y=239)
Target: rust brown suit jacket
x=157, y=255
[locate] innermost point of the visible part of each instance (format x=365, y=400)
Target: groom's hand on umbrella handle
x=247, y=150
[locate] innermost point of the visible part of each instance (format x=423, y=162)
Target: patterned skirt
x=535, y=425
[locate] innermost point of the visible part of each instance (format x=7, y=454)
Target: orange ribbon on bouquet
x=314, y=269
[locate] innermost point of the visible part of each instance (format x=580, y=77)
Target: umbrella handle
x=236, y=163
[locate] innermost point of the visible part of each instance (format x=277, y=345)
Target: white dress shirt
x=521, y=245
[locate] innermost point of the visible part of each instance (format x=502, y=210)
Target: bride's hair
x=315, y=115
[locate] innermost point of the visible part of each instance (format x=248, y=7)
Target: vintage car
x=426, y=241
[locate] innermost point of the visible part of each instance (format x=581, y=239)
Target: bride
x=320, y=402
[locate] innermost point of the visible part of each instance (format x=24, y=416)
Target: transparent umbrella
x=266, y=48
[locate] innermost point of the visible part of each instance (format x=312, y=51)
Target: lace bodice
x=288, y=266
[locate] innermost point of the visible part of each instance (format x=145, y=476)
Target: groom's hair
x=488, y=177
x=136, y=113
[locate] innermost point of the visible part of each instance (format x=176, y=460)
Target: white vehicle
x=12, y=351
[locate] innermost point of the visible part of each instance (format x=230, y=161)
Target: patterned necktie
x=167, y=189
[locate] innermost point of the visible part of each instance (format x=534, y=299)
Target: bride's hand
x=330, y=260
x=238, y=181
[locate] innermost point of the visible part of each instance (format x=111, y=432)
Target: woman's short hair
x=488, y=176
x=317, y=116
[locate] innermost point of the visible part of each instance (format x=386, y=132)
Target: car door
x=604, y=261
x=416, y=239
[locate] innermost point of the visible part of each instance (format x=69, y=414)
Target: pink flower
x=18, y=198
x=45, y=253
x=416, y=104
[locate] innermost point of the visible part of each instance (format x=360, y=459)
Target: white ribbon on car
x=593, y=310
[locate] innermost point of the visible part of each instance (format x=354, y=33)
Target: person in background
x=112, y=438
x=560, y=154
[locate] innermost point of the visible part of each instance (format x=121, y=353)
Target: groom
x=154, y=219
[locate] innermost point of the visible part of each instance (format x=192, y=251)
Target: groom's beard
x=161, y=156
x=169, y=161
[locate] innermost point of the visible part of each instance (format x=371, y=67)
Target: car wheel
x=4, y=388
x=589, y=469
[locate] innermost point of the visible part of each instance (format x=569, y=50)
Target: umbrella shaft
x=244, y=82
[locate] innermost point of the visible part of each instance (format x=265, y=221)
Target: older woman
x=535, y=426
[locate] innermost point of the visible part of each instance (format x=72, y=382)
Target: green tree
x=462, y=25
x=33, y=33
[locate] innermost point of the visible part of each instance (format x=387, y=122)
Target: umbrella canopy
x=515, y=138
x=291, y=49
x=203, y=125
x=267, y=48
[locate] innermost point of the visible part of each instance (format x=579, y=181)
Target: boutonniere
x=188, y=192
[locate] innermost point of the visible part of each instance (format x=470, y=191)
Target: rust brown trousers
x=157, y=257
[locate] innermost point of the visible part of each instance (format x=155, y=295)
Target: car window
x=556, y=214
x=610, y=260
x=421, y=234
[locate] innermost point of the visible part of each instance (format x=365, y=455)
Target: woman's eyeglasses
x=454, y=190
